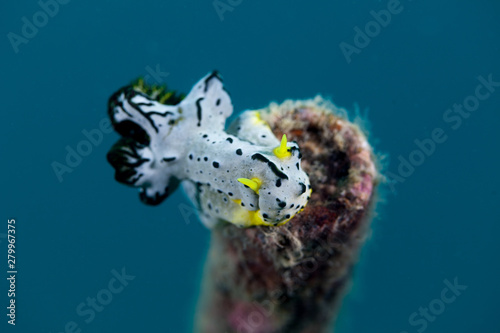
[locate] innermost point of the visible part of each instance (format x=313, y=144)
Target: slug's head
x=282, y=187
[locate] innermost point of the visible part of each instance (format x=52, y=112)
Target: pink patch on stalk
x=249, y=318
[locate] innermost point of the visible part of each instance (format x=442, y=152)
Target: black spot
x=303, y=186
x=260, y=157
x=239, y=152
x=265, y=215
x=210, y=206
x=263, y=136
x=129, y=129
x=287, y=216
x=278, y=173
x=225, y=199
x=198, y=159
x=205, y=158
x=282, y=204
x=190, y=156
x=217, y=102
x=153, y=200
x=205, y=136
x=212, y=75
x=230, y=140
x=169, y=159
x=273, y=166
x=297, y=165
x=171, y=122
x=291, y=206
x=242, y=204
x=215, y=164
x=294, y=149
x=278, y=183
x=198, y=110
x=251, y=205
x=230, y=194
x=219, y=191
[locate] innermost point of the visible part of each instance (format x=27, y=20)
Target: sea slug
x=243, y=175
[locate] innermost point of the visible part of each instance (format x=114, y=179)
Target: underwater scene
x=233, y=166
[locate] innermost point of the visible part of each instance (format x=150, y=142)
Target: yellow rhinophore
x=257, y=120
x=253, y=183
x=282, y=151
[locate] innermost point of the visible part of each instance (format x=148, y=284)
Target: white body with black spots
x=243, y=176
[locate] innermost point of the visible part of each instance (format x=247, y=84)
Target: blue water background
x=443, y=222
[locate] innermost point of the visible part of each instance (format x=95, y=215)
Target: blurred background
x=403, y=65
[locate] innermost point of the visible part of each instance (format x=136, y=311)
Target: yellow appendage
x=253, y=183
x=282, y=151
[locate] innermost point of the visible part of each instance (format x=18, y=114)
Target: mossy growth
x=158, y=92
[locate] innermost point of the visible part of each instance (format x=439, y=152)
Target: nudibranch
x=243, y=175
